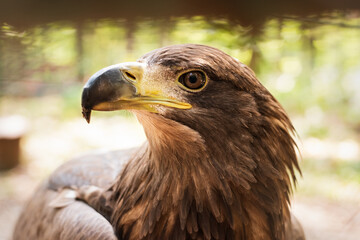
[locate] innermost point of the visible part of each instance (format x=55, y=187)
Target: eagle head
x=213, y=129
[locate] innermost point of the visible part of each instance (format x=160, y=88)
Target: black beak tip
x=86, y=109
x=104, y=86
x=86, y=114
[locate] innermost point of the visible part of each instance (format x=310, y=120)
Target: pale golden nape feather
x=218, y=163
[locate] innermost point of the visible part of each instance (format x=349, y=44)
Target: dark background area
x=29, y=13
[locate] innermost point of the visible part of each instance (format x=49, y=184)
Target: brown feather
x=220, y=170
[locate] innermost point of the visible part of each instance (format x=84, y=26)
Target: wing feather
x=54, y=214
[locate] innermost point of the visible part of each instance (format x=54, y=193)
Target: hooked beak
x=119, y=87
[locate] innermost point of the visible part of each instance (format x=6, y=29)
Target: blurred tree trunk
x=14, y=61
x=255, y=56
x=308, y=43
x=254, y=37
x=165, y=27
x=130, y=39
x=1, y=63
x=280, y=27
x=80, y=51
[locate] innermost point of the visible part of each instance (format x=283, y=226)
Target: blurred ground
x=326, y=211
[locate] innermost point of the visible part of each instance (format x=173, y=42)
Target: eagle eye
x=193, y=81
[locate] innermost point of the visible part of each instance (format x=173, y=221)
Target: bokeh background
x=310, y=64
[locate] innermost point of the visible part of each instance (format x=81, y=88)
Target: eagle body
x=218, y=162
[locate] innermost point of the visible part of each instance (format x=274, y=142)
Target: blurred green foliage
x=332, y=179
x=311, y=67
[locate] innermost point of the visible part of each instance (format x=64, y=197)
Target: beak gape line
x=117, y=87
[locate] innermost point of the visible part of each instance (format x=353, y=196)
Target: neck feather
x=178, y=182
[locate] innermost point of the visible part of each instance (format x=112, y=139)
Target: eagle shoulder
x=45, y=218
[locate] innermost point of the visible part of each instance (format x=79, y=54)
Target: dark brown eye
x=194, y=80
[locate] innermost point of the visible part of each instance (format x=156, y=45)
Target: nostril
x=129, y=75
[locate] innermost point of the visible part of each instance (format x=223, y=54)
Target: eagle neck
x=177, y=174
x=172, y=146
